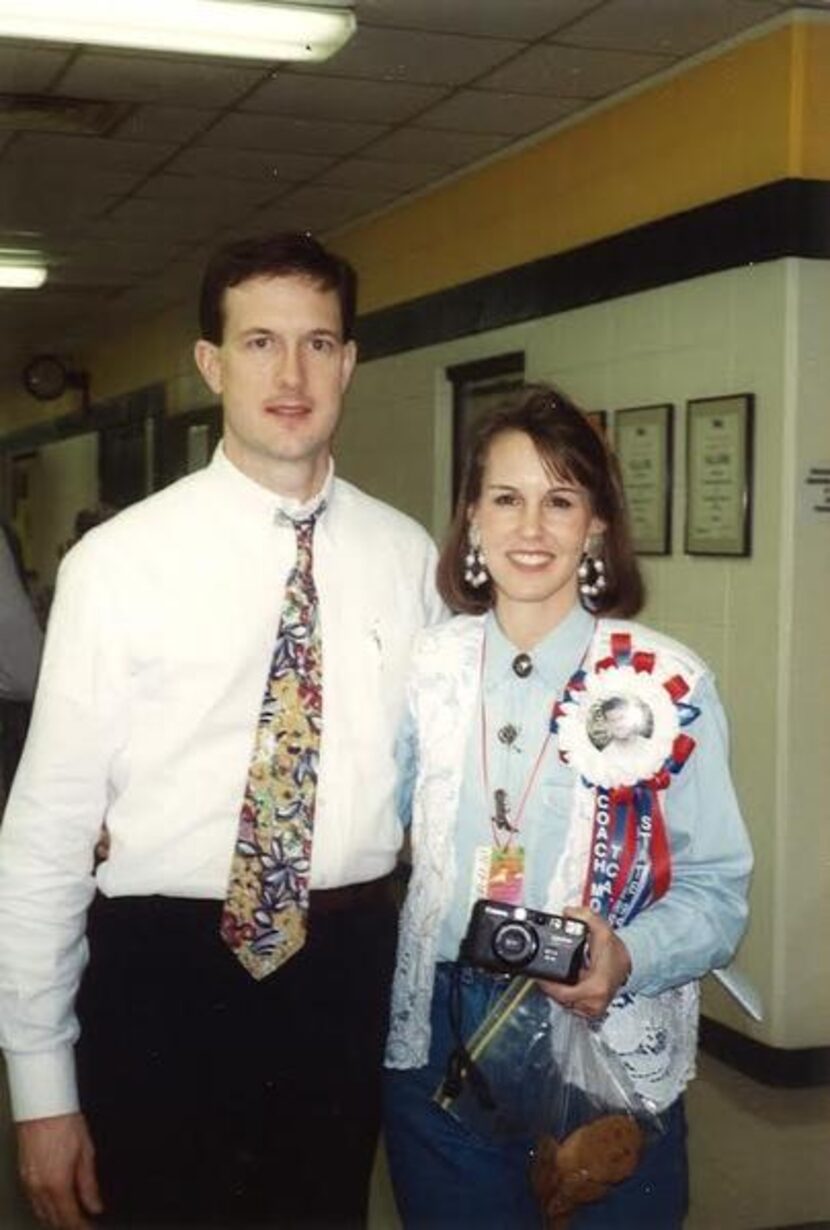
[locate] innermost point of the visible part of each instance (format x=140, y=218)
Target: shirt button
x=522, y=665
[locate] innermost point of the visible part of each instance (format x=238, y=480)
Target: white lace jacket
x=655, y=1036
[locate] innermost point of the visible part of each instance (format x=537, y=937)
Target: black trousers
x=214, y=1100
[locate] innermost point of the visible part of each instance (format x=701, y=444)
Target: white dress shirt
x=156, y=658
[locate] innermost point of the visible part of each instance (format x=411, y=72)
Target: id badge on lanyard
x=498, y=874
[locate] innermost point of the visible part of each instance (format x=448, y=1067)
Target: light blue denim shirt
x=697, y=924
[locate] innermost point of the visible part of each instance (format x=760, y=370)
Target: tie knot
x=304, y=530
x=302, y=522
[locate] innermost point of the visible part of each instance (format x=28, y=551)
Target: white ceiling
x=195, y=152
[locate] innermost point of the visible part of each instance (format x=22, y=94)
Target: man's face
x=281, y=370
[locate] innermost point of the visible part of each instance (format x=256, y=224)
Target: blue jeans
x=446, y=1176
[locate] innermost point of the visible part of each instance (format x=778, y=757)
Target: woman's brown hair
x=572, y=449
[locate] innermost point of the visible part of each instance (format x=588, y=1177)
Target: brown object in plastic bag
x=585, y=1165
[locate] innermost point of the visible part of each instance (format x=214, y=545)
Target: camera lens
x=515, y=943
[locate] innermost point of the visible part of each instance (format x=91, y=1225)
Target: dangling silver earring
x=591, y=571
x=475, y=565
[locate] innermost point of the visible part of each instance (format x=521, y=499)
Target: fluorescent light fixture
x=21, y=277
x=231, y=28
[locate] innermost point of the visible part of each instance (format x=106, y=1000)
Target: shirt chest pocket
x=558, y=786
x=363, y=673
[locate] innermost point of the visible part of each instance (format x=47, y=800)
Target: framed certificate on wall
x=643, y=437
x=479, y=387
x=599, y=421
x=719, y=475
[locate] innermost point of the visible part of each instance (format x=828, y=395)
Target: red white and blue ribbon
x=629, y=865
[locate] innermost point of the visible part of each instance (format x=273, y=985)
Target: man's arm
x=52, y=821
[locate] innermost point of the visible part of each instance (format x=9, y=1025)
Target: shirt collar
x=260, y=501
x=554, y=658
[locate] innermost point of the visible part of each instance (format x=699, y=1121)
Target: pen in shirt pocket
x=375, y=637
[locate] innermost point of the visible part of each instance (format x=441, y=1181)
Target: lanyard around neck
x=503, y=828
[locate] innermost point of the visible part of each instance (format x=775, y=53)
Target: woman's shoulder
x=456, y=630
x=643, y=639
x=447, y=643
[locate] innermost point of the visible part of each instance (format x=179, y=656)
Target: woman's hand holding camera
x=607, y=968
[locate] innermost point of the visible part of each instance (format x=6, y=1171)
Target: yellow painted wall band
x=753, y=115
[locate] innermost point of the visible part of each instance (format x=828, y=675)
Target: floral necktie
x=264, y=919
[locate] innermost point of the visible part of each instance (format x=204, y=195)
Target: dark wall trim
x=487, y=369
x=770, y=1065
x=116, y=412
x=788, y=218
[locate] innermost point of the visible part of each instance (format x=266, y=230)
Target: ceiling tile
x=316, y=209
x=318, y=97
x=452, y=149
x=489, y=111
x=518, y=19
x=126, y=258
x=273, y=132
x=158, y=79
x=50, y=211
x=414, y=55
x=78, y=273
x=51, y=177
x=289, y=218
x=189, y=189
x=154, y=215
x=171, y=218
x=83, y=153
x=675, y=27
x=331, y=197
x=47, y=199
x=150, y=123
x=372, y=173
x=247, y=163
x=57, y=113
x=28, y=69
x=570, y=72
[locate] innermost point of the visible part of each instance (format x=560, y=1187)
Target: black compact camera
x=510, y=939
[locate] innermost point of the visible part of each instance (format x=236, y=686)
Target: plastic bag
x=533, y=1070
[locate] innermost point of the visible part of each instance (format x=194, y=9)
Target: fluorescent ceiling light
x=22, y=277
x=231, y=28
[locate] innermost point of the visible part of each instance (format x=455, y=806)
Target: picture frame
x=719, y=447
x=643, y=437
x=478, y=387
x=599, y=421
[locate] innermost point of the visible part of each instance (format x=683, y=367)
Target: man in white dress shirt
x=153, y=1081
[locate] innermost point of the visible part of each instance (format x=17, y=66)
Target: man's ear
x=207, y=359
x=347, y=363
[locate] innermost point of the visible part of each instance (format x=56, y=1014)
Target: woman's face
x=533, y=526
